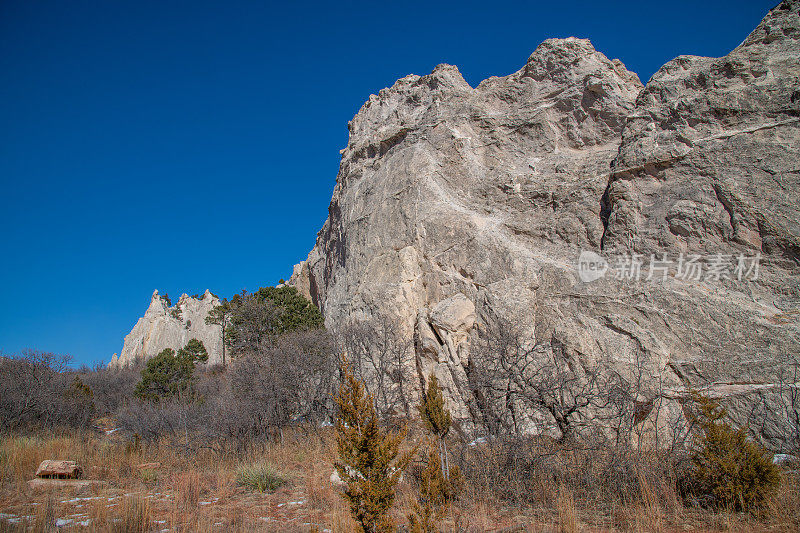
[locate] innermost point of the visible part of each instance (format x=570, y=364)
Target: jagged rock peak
x=780, y=27
x=558, y=59
x=712, y=150
x=164, y=326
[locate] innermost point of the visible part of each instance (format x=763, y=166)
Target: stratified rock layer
x=164, y=327
x=457, y=209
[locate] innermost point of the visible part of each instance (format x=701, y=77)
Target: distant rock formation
x=457, y=209
x=164, y=326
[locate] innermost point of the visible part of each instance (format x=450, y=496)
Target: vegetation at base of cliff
x=261, y=421
x=369, y=462
x=169, y=374
x=729, y=471
x=285, y=388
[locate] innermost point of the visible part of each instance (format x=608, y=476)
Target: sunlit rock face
x=462, y=211
x=164, y=326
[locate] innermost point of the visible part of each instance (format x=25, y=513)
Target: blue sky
x=191, y=145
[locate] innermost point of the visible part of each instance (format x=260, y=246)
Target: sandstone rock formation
x=459, y=211
x=58, y=469
x=164, y=326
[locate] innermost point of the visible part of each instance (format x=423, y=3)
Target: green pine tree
x=296, y=312
x=169, y=374
x=250, y=319
x=220, y=315
x=194, y=351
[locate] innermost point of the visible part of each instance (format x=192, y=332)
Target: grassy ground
x=155, y=487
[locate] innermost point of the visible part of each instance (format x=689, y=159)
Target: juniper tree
x=370, y=462
x=437, y=418
x=438, y=482
x=432, y=499
x=733, y=471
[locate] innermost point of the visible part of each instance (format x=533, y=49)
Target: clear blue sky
x=191, y=145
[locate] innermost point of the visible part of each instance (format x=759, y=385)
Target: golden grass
x=200, y=492
x=567, y=514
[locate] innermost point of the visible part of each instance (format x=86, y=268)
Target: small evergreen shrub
x=728, y=471
x=434, y=414
x=369, y=462
x=261, y=477
x=439, y=482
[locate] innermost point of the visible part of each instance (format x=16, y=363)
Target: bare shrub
x=784, y=407
x=546, y=387
x=38, y=389
x=288, y=380
x=111, y=387
x=533, y=470
x=181, y=420
x=380, y=357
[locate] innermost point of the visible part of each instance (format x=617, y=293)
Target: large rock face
x=458, y=209
x=164, y=326
x=712, y=150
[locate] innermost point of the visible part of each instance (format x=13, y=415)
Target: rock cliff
x=165, y=326
x=459, y=211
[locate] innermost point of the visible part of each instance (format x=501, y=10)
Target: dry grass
x=200, y=493
x=567, y=515
x=260, y=476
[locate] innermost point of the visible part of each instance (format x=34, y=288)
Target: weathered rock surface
x=164, y=326
x=457, y=209
x=59, y=469
x=712, y=150
x=79, y=486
